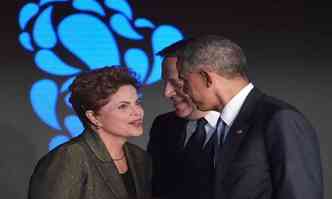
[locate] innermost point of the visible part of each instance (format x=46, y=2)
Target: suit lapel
x=236, y=134
x=173, y=129
x=105, y=165
x=181, y=132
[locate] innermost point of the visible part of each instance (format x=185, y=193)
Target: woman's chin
x=137, y=132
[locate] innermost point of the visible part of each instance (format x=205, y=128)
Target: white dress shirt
x=233, y=107
x=228, y=115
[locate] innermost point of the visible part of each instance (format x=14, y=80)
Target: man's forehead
x=169, y=67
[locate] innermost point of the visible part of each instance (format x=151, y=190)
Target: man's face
x=173, y=89
x=200, y=90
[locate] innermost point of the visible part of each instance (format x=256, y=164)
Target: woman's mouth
x=137, y=123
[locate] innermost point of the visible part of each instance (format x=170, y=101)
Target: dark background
x=288, y=58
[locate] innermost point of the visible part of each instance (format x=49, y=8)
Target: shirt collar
x=212, y=118
x=232, y=108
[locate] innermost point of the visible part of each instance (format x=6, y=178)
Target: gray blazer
x=82, y=168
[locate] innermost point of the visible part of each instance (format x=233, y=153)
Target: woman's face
x=122, y=116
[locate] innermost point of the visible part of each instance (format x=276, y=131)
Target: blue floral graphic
x=69, y=36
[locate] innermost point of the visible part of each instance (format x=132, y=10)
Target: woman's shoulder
x=58, y=171
x=67, y=153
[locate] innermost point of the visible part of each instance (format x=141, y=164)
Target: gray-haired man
x=268, y=150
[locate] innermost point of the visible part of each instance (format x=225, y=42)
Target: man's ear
x=92, y=118
x=206, y=78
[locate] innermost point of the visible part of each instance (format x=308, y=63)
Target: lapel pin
x=239, y=131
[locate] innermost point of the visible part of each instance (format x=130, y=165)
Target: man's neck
x=236, y=86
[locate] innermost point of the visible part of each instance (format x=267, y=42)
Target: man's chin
x=182, y=112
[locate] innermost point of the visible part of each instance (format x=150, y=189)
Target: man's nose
x=169, y=90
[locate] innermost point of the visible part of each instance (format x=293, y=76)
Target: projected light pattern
x=69, y=36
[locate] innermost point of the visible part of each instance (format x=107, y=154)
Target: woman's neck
x=114, y=144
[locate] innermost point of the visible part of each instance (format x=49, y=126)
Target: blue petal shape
x=121, y=25
x=43, y=97
x=65, y=86
x=74, y=125
x=51, y=63
x=137, y=60
x=90, y=40
x=25, y=41
x=67, y=102
x=27, y=12
x=144, y=23
x=43, y=31
x=88, y=5
x=155, y=74
x=43, y=2
x=120, y=6
x=162, y=37
x=56, y=141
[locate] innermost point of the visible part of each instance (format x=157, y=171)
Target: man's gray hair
x=213, y=53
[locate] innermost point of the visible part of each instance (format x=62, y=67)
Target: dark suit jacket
x=82, y=168
x=166, y=141
x=271, y=152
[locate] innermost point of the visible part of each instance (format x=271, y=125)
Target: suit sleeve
x=58, y=175
x=294, y=156
x=154, y=148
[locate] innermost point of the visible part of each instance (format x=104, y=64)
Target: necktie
x=221, y=128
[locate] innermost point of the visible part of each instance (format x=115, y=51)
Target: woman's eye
x=123, y=106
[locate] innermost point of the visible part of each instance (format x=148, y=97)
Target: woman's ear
x=92, y=118
x=206, y=78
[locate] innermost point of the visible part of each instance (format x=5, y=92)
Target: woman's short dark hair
x=92, y=89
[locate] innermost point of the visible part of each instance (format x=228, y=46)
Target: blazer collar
x=107, y=168
x=137, y=168
x=236, y=134
x=97, y=146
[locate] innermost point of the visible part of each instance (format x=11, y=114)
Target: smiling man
x=181, y=141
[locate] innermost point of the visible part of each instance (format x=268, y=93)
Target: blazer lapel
x=105, y=165
x=236, y=135
x=137, y=169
